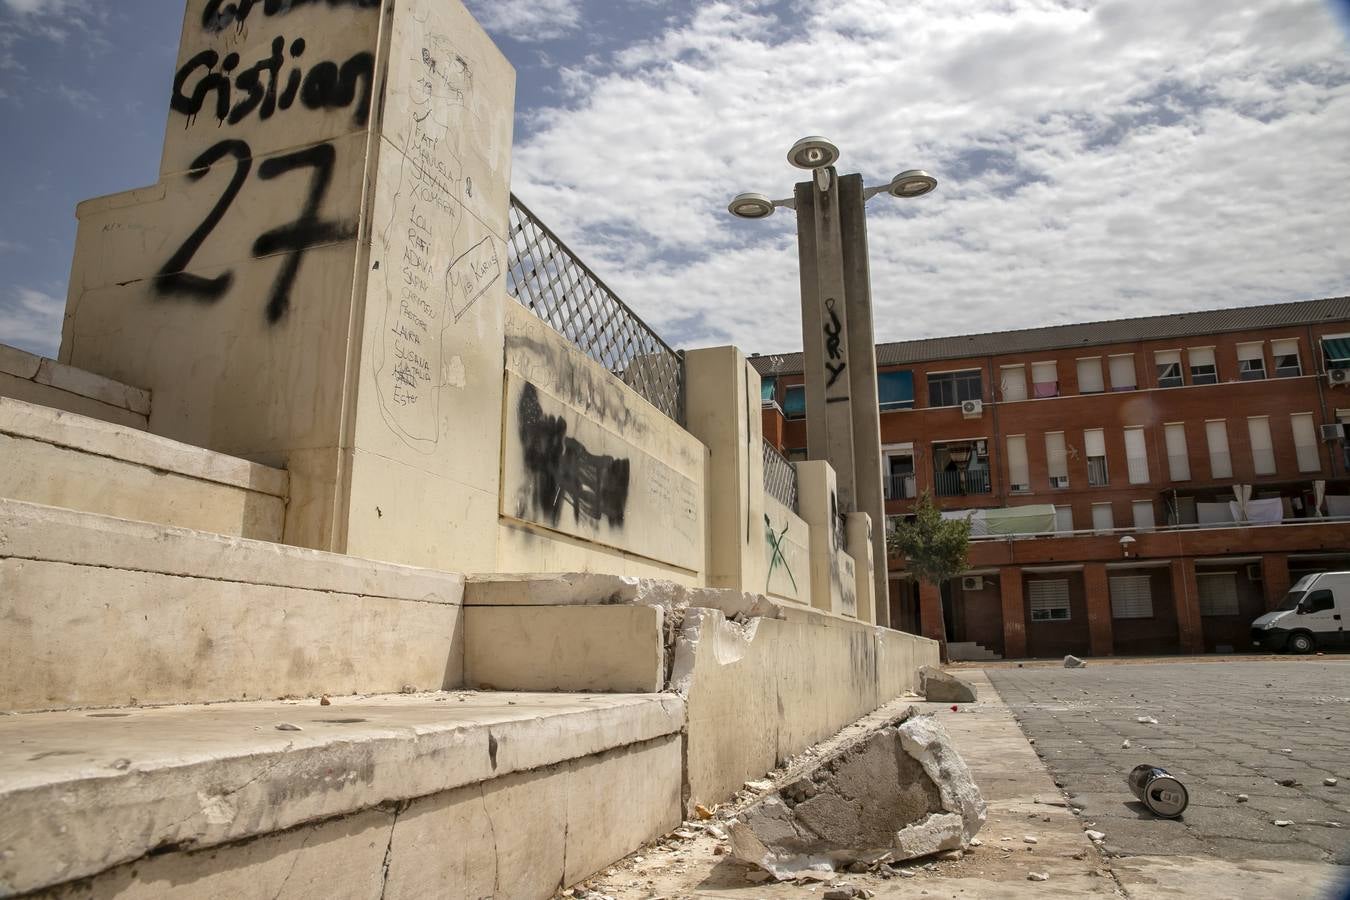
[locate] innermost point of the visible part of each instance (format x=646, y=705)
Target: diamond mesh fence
x=549, y=279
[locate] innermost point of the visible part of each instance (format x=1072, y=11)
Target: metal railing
x=780, y=477
x=1097, y=472
x=900, y=487
x=1134, y=529
x=955, y=484
x=549, y=279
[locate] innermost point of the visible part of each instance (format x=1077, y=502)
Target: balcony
x=900, y=487
x=1097, y=474
x=958, y=484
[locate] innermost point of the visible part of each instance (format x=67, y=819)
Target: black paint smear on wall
x=562, y=471
x=221, y=14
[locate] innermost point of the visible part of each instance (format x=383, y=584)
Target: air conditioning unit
x=1338, y=376
x=972, y=409
x=1333, y=431
x=1253, y=571
x=1059, y=481
x=972, y=582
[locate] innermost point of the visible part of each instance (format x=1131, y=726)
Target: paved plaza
x=1225, y=729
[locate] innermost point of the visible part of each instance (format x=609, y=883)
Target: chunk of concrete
x=942, y=687
x=898, y=792
x=1073, y=662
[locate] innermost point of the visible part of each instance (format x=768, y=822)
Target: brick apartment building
x=1138, y=486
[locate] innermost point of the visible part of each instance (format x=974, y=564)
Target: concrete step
x=426, y=795
x=46, y=382
x=969, y=651
x=101, y=611
x=66, y=459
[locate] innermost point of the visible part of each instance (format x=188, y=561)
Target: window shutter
x=1044, y=373
x=1014, y=382
x=1055, y=461
x=1263, y=455
x=1201, y=356
x=1019, y=477
x=1136, y=456
x=1102, y=517
x=1094, y=442
x=1284, y=347
x=1090, y=376
x=1143, y=515
x=1250, y=351
x=1122, y=373
x=1216, y=434
x=1063, y=518
x=1131, y=597
x=895, y=390
x=1049, y=600
x=1178, y=464
x=1305, y=442
x=1218, y=594
x=1167, y=357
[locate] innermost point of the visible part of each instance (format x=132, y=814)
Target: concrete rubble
x=938, y=686
x=898, y=792
x=1073, y=662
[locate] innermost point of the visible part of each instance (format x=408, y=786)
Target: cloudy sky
x=1097, y=158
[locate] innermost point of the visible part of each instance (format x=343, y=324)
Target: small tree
x=935, y=549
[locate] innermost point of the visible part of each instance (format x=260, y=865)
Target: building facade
x=1138, y=486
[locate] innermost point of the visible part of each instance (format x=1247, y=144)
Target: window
x=1056, y=462
x=1094, y=447
x=1336, y=351
x=1168, y=363
x=1063, y=519
x=895, y=390
x=1178, y=462
x=1263, y=455
x=1286, y=358
x=899, y=472
x=796, y=454
x=1045, y=379
x=1143, y=515
x=1203, y=369
x=1216, y=435
x=1136, y=456
x=961, y=467
x=794, y=401
x=1305, y=442
x=1131, y=597
x=1049, y=600
x=1251, y=361
x=1103, y=519
x=954, y=388
x=1218, y=593
x=1122, y=372
x=1019, y=476
x=1090, y=376
x=1319, y=601
x=1013, y=383
x=767, y=398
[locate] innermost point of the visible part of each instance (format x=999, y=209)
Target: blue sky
x=1097, y=158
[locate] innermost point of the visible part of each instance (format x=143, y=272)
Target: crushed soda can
x=1159, y=790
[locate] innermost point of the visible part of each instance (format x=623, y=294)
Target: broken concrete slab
x=1073, y=662
x=938, y=686
x=898, y=792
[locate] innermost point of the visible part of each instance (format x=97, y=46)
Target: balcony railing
x=1097, y=474
x=956, y=484
x=1131, y=529
x=901, y=487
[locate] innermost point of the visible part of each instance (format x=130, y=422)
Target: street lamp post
x=843, y=422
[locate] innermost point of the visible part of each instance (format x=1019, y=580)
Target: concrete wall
x=103, y=611
x=787, y=549
x=594, y=478
x=59, y=459
x=34, y=379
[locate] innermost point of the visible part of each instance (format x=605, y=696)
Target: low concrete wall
x=35, y=379
x=61, y=459
x=101, y=611
x=787, y=549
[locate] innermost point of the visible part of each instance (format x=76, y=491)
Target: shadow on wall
x=563, y=472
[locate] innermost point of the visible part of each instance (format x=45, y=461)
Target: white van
x=1313, y=614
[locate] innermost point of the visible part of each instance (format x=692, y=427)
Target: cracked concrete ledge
x=84, y=792
x=77, y=382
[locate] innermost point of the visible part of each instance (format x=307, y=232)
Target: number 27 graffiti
x=291, y=239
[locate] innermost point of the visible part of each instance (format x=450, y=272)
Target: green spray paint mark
x=776, y=542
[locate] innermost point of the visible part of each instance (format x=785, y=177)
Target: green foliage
x=935, y=549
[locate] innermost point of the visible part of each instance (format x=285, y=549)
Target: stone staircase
x=969, y=651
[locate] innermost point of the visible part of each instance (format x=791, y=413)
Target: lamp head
x=814, y=152
x=911, y=183
x=750, y=206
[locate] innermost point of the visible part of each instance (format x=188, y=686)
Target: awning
x=895, y=390
x=1036, y=518
x=1337, y=351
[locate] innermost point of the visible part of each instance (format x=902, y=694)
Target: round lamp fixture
x=911, y=183
x=750, y=206
x=814, y=152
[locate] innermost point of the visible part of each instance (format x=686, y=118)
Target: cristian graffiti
x=221, y=14
x=564, y=472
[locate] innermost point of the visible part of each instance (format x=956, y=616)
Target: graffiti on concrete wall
x=564, y=473
x=835, y=363
x=777, y=558
x=239, y=94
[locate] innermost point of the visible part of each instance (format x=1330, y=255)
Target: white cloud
x=1097, y=160
x=31, y=319
x=525, y=20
